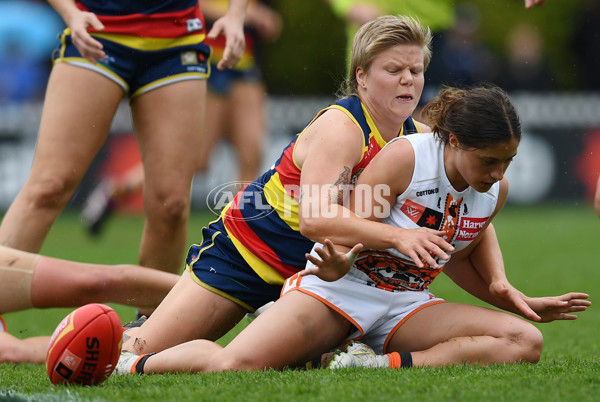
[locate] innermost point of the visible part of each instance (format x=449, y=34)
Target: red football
x=85, y=347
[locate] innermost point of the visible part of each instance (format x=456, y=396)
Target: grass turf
x=548, y=250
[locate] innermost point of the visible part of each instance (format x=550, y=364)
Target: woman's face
x=392, y=86
x=480, y=168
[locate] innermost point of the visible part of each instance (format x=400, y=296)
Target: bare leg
x=450, y=333
x=30, y=280
x=217, y=117
x=169, y=124
x=78, y=111
x=292, y=331
x=188, y=312
x=248, y=127
x=30, y=350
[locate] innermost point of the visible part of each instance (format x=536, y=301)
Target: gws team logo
x=251, y=200
x=392, y=273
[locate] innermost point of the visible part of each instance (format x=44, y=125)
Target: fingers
x=427, y=244
x=574, y=295
x=330, y=247
x=526, y=310
x=353, y=253
x=215, y=31
x=89, y=48
x=314, y=260
x=321, y=253
x=309, y=271
x=439, y=241
x=355, y=250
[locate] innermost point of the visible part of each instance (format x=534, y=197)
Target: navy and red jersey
x=150, y=18
x=262, y=220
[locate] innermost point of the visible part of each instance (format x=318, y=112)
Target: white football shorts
x=375, y=313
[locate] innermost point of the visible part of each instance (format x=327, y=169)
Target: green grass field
x=548, y=250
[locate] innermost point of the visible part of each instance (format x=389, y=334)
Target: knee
x=168, y=207
x=535, y=345
x=50, y=192
x=529, y=343
x=238, y=362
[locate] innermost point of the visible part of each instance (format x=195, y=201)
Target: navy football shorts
x=216, y=265
x=138, y=71
x=220, y=81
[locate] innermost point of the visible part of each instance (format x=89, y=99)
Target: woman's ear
x=453, y=141
x=360, y=77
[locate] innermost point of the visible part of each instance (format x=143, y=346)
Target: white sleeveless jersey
x=429, y=201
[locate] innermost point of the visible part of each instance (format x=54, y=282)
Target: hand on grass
x=541, y=309
x=553, y=308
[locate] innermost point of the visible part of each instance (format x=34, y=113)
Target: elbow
x=310, y=228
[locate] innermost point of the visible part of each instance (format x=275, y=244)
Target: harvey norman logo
x=470, y=228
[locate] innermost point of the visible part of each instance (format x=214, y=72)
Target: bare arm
x=479, y=269
x=232, y=26
x=325, y=215
x=503, y=295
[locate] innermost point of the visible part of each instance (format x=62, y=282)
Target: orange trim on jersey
x=293, y=283
x=393, y=331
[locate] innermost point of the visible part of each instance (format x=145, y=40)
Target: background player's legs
x=248, y=127
x=76, y=119
x=217, y=122
x=169, y=123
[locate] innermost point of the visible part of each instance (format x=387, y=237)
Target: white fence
x=558, y=131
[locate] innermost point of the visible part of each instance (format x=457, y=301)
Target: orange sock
x=395, y=360
x=398, y=360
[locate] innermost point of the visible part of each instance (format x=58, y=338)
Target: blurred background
x=548, y=58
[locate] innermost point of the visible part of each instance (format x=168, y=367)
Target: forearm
x=480, y=271
x=344, y=227
x=487, y=259
x=237, y=8
x=465, y=275
x=66, y=8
